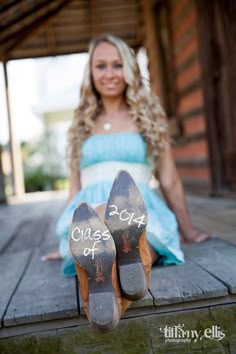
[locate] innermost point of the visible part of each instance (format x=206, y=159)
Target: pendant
x=107, y=126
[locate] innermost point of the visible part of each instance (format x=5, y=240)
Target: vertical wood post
x=15, y=151
x=205, y=13
x=2, y=189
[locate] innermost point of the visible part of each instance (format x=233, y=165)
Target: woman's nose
x=109, y=72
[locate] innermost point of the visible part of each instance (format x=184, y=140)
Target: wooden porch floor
x=42, y=310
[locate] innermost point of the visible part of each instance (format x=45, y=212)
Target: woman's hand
x=197, y=237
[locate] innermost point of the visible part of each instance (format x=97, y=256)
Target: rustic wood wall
x=178, y=20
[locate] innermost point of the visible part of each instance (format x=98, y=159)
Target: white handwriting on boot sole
x=86, y=234
x=124, y=215
x=87, y=250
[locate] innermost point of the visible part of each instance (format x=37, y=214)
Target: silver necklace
x=107, y=126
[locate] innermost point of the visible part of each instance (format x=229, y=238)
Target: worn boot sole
x=126, y=219
x=93, y=249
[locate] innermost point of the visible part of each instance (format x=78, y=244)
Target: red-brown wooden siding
x=195, y=125
x=190, y=150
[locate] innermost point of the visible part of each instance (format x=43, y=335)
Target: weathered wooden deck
x=41, y=311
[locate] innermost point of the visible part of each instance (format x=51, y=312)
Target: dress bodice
x=125, y=147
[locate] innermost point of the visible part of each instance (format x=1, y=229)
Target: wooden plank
x=144, y=302
x=213, y=225
x=217, y=216
x=7, y=230
x=217, y=257
x=143, y=335
x=6, y=332
x=50, y=240
x=215, y=203
x=10, y=219
x=29, y=235
x=220, y=215
x=16, y=221
x=183, y=283
x=148, y=300
x=67, y=323
x=13, y=266
x=214, y=208
x=43, y=294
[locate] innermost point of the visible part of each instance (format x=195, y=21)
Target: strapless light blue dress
x=102, y=157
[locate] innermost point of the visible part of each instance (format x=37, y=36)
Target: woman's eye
x=118, y=66
x=101, y=66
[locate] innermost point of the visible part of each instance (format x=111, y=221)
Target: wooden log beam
x=8, y=5
x=31, y=26
x=65, y=47
x=26, y=11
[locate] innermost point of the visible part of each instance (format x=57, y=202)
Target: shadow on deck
x=41, y=311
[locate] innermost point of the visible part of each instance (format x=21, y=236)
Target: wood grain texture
x=187, y=282
x=218, y=258
x=43, y=294
x=14, y=267
x=35, y=295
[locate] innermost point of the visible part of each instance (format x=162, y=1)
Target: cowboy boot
x=94, y=253
x=147, y=263
x=123, y=302
x=126, y=219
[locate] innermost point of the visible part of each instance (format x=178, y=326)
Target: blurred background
x=186, y=48
x=43, y=94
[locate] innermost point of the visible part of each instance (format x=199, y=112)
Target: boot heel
x=126, y=219
x=133, y=280
x=103, y=311
x=94, y=253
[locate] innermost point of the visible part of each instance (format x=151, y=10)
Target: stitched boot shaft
x=123, y=303
x=84, y=287
x=147, y=264
x=145, y=255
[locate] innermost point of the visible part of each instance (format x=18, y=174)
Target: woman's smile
x=107, y=71
x=110, y=85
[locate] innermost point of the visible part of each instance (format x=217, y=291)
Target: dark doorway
x=217, y=20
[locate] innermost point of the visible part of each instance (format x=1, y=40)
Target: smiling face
x=107, y=71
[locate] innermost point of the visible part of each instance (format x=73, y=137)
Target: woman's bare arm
x=173, y=192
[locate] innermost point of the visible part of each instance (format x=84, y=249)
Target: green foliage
x=42, y=166
x=38, y=180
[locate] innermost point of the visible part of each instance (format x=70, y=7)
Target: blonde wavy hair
x=144, y=107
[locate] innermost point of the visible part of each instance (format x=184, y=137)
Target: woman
x=120, y=125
